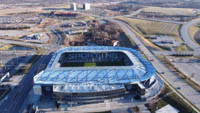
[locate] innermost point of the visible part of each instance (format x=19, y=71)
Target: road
x=134, y=13
x=59, y=37
x=186, y=90
x=20, y=43
x=23, y=43
x=25, y=52
x=159, y=20
x=167, y=53
x=184, y=31
x=17, y=96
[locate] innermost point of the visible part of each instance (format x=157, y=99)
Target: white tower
x=86, y=6
x=73, y=6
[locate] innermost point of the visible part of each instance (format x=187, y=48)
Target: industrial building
x=90, y=74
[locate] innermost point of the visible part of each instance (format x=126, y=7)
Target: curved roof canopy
x=105, y=75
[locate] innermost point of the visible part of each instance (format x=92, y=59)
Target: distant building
x=65, y=14
x=73, y=6
x=32, y=37
x=76, y=31
x=86, y=6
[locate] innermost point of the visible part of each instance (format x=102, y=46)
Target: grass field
x=5, y=47
x=175, y=101
x=146, y=41
x=91, y=64
x=146, y=28
x=167, y=96
x=14, y=10
x=170, y=11
x=181, y=48
x=151, y=28
x=192, y=31
x=85, y=18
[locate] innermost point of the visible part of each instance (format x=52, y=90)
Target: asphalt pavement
x=20, y=43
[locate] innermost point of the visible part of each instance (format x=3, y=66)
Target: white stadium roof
x=83, y=79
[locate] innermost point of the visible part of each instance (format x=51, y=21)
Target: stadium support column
x=37, y=90
x=71, y=99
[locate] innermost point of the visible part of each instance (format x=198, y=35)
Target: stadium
x=90, y=74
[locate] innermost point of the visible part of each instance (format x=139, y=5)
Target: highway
x=186, y=90
x=184, y=31
x=19, y=43
x=166, y=53
x=159, y=20
x=17, y=96
x=18, y=52
x=59, y=40
x=134, y=13
x=59, y=37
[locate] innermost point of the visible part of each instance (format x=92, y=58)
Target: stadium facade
x=89, y=74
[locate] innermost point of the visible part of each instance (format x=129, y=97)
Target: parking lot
x=189, y=66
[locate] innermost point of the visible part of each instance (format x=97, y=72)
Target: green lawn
x=173, y=100
x=182, y=47
x=91, y=64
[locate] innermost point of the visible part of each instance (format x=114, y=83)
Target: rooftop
x=97, y=76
